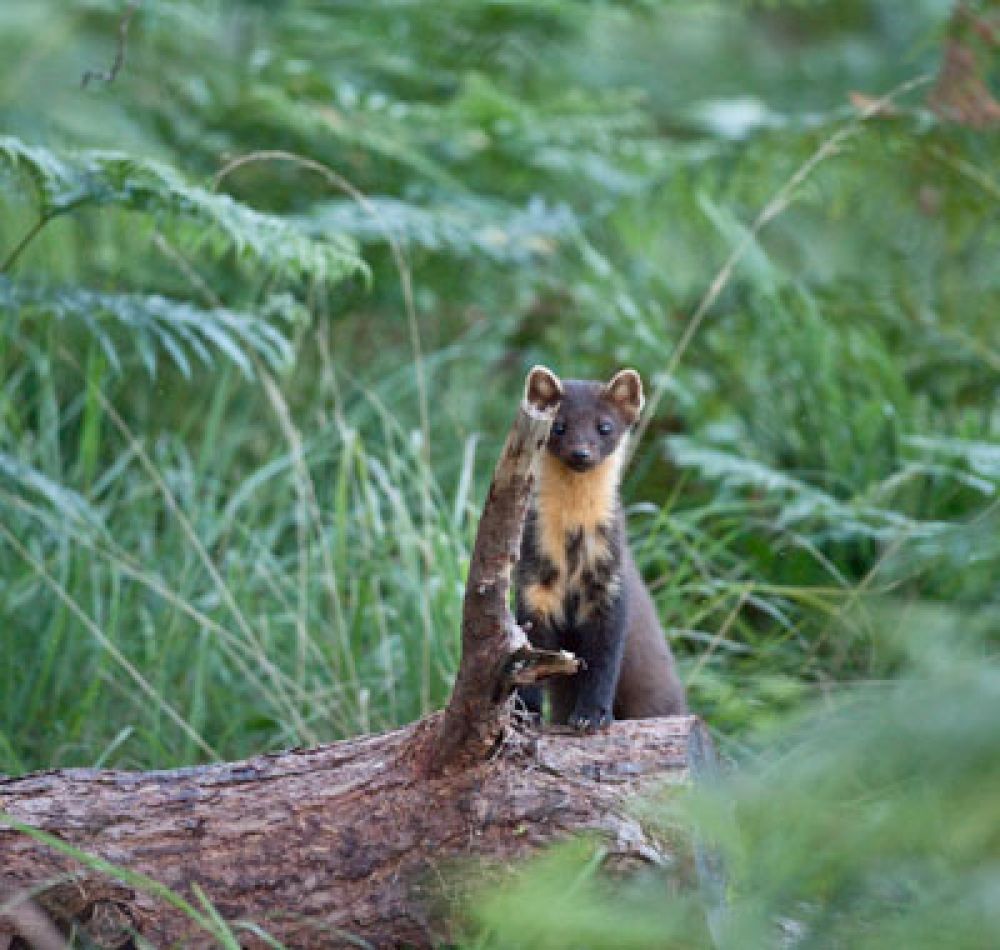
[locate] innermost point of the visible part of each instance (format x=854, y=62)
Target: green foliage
x=466, y=228
x=29, y=482
x=240, y=467
x=214, y=223
x=152, y=324
x=873, y=823
x=554, y=200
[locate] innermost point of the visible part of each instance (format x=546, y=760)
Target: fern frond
x=380, y=134
x=464, y=227
x=983, y=458
x=799, y=504
x=66, y=182
x=27, y=480
x=152, y=323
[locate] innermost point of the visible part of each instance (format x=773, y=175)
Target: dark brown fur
x=576, y=582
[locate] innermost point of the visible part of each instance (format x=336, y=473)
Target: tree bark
x=495, y=650
x=348, y=844
x=330, y=846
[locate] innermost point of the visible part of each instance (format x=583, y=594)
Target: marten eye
x=604, y=427
x=559, y=428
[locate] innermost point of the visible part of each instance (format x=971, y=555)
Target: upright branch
x=495, y=651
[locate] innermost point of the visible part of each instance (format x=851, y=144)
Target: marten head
x=593, y=417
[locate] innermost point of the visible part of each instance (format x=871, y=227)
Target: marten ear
x=625, y=391
x=542, y=388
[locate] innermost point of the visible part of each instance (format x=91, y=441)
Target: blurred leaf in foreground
x=874, y=823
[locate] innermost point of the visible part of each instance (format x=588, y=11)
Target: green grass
x=317, y=596
x=230, y=523
x=240, y=473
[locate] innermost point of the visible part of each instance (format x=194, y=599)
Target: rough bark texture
x=477, y=712
x=346, y=845
x=327, y=845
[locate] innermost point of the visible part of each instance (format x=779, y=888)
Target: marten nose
x=580, y=455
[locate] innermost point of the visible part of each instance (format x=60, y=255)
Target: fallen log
x=324, y=845
x=346, y=844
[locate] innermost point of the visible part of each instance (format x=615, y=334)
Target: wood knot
x=104, y=917
x=110, y=925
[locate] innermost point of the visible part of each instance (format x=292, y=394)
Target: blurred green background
x=267, y=300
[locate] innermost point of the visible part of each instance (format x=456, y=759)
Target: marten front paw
x=590, y=719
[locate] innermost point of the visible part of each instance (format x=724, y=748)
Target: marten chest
x=570, y=569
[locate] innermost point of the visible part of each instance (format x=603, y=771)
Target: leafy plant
x=252, y=460
x=214, y=222
x=152, y=324
x=871, y=823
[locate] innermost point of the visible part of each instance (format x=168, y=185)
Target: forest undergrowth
x=267, y=298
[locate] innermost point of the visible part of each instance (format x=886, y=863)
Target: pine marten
x=577, y=586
